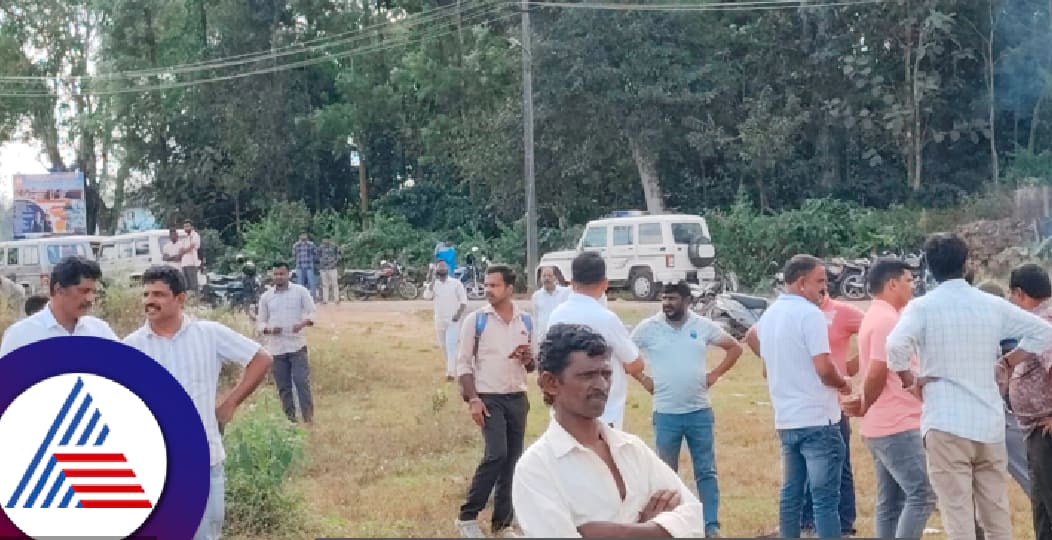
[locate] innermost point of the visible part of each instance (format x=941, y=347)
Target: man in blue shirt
x=674, y=343
x=447, y=253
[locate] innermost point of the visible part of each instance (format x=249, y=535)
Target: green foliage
x=1028, y=168
x=263, y=451
x=270, y=239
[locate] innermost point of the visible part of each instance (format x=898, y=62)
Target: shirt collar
x=563, y=443
x=47, y=317
x=578, y=297
x=515, y=311
x=184, y=324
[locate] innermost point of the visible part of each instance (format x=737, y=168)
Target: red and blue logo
x=99, y=440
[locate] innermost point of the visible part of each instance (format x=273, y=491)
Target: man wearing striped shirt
x=956, y=330
x=284, y=311
x=194, y=352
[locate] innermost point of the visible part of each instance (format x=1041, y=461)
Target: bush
x=263, y=450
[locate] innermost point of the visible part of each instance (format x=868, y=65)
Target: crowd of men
x=936, y=384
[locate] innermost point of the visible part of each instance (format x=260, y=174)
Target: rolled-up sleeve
x=1033, y=332
x=685, y=521
x=466, y=347
x=539, y=509
x=903, y=340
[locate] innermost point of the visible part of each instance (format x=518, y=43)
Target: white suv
x=642, y=251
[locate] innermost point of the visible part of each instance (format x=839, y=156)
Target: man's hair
x=681, y=288
x=588, y=268
x=991, y=287
x=35, y=303
x=70, y=270
x=167, y=275
x=188, y=222
x=946, y=255
x=1032, y=280
x=561, y=341
x=280, y=264
x=439, y=260
x=798, y=267
x=505, y=271
x=173, y=230
x=884, y=271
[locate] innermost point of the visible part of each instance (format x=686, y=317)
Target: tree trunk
x=363, y=185
x=916, y=136
x=118, y=194
x=827, y=156
x=995, y=165
x=646, y=163
x=1035, y=120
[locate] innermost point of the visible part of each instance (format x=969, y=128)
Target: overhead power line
x=758, y=5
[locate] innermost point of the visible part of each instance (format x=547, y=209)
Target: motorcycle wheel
x=475, y=290
x=854, y=287
x=408, y=290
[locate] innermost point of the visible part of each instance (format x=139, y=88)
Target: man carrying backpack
x=493, y=359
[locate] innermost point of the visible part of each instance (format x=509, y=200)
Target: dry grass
x=393, y=449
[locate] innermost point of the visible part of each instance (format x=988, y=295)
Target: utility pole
x=527, y=128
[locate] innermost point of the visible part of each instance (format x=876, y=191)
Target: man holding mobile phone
x=284, y=312
x=492, y=361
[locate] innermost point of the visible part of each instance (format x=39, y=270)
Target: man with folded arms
x=583, y=478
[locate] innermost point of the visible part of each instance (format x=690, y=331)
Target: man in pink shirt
x=844, y=322
x=891, y=415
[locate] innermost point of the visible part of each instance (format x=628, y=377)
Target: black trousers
x=291, y=370
x=504, y=435
x=1039, y=456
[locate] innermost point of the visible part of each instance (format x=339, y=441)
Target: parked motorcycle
x=238, y=292
x=472, y=274
x=735, y=313
x=389, y=280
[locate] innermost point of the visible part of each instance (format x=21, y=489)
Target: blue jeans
x=905, y=499
x=212, y=522
x=812, y=458
x=847, y=489
x=307, y=278
x=697, y=428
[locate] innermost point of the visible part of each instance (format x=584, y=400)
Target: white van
x=126, y=256
x=29, y=262
x=642, y=251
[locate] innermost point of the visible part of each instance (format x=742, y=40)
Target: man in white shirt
x=72, y=285
x=450, y=301
x=956, y=332
x=285, y=310
x=191, y=261
x=583, y=307
x=792, y=337
x=584, y=479
x=194, y=352
x=547, y=298
x=172, y=252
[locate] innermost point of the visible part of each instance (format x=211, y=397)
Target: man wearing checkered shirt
x=306, y=255
x=956, y=330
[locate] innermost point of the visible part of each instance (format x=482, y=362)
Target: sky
x=18, y=158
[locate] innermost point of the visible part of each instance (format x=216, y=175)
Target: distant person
x=844, y=321
x=328, y=261
x=194, y=352
x=72, y=289
x=35, y=303
x=191, y=261
x=891, y=416
x=956, y=332
x=172, y=252
x=675, y=344
x=792, y=337
x=450, y=301
x=1015, y=438
x=448, y=253
x=583, y=307
x=547, y=298
x=1030, y=393
x=582, y=478
x=285, y=310
x=306, y=255
x=493, y=359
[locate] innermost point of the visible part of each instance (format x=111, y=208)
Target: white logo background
x=133, y=431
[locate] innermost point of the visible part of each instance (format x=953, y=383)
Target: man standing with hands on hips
x=493, y=359
x=284, y=311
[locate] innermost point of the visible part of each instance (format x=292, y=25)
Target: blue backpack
x=480, y=325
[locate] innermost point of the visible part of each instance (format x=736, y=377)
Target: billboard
x=49, y=204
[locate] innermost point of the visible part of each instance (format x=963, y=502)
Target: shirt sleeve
x=195, y=241
x=263, y=317
x=13, y=339
x=905, y=338
x=685, y=521
x=621, y=343
x=462, y=293
x=816, y=333
x=852, y=319
x=540, y=509
x=307, y=304
x=232, y=347
x=465, y=363
x=106, y=332
x=878, y=350
x=1034, y=333
x=640, y=336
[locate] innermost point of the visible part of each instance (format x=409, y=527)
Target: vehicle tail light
x=670, y=261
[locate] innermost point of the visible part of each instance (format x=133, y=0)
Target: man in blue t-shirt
x=448, y=253
x=674, y=343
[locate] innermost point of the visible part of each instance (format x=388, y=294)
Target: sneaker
x=469, y=529
x=509, y=532
x=713, y=534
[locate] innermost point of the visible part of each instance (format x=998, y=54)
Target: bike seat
x=750, y=302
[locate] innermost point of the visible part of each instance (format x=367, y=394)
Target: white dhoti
x=448, y=336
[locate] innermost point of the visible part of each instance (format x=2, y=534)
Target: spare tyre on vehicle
x=694, y=252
